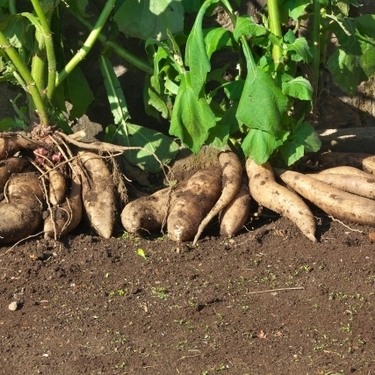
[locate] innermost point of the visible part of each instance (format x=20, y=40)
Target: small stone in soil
x=13, y=306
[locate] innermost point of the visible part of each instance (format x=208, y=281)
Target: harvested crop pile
x=50, y=183
x=47, y=187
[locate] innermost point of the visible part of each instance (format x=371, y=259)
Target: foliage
x=265, y=107
x=253, y=84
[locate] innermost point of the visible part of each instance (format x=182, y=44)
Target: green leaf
x=354, y=60
x=142, y=253
x=17, y=30
x=299, y=88
x=366, y=25
x=368, y=58
x=8, y=123
x=262, y=105
x=346, y=70
x=196, y=57
x=259, y=145
x=146, y=19
x=192, y=117
x=291, y=152
x=300, y=47
x=306, y=135
x=150, y=142
x=295, y=8
x=302, y=139
x=115, y=95
x=233, y=89
x=191, y=6
x=215, y=39
x=246, y=26
x=77, y=92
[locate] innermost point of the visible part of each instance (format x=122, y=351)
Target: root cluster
x=50, y=185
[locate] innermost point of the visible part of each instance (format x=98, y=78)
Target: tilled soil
x=268, y=301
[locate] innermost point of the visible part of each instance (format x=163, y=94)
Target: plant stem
x=275, y=28
x=44, y=19
x=118, y=49
x=27, y=77
x=315, y=49
x=89, y=42
x=12, y=7
x=38, y=62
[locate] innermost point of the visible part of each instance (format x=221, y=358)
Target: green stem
x=91, y=39
x=315, y=49
x=44, y=19
x=118, y=49
x=27, y=77
x=38, y=62
x=275, y=28
x=12, y=7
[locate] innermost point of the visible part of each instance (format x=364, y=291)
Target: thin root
x=344, y=225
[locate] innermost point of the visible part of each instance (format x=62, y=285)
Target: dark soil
x=265, y=302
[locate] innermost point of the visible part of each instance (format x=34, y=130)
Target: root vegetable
x=345, y=170
x=97, y=193
x=65, y=217
x=268, y=193
x=57, y=187
x=236, y=214
x=146, y=213
x=231, y=182
x=21, y=212
x=7, y=147
x=9, y=166
x=356, y=184
x=368, y=164
x=335, y=159
x=192, y=203
x=333, y=201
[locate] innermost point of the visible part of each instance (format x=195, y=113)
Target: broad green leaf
x=246, y=26
x=8, y=123
x=233, y=89
x=299, y=88
x=366, y=25
x=301, y=48
x=295, y=8
x=77, y=92
x=17, y=30
x=291, y=152
x=151, y=142
x=306, y=135
x=196, y=57
x=346, y=70
x=368, y=58
x=228, y=124
x=262, y=104
x=259, y=145
x=192, y=117
x=156, y=101
x=146, y=19
x=191, y=6
x=215, y=39
x=347, y=64
x=302, y=139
